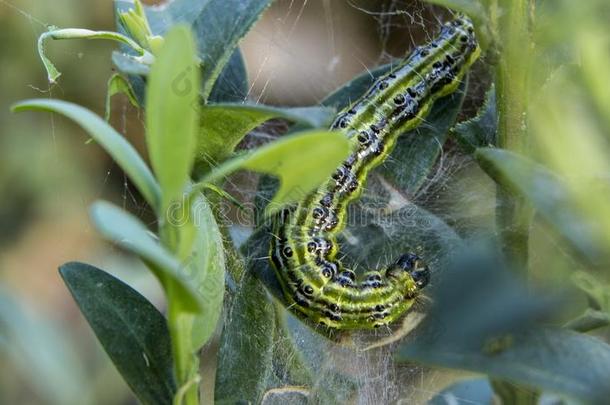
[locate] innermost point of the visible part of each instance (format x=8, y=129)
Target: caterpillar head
x=414, y=266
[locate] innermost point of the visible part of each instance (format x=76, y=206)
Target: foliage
x=183, y=65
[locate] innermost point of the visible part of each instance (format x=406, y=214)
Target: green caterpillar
x=304, y=251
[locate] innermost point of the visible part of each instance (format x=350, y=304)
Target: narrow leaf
x=205, y=265
x=301, y=161
x=172, y=108
x=131, y=330
x=128, y=232
x=117, y=147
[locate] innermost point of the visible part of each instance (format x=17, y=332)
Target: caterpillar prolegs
x=304, y=249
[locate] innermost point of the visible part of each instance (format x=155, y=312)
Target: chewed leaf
x=223, y=126
x=480, y=131
x=301, y=162
x=128, y=232
x=131, y=330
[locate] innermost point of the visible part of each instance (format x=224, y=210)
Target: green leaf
x=225, y=125
x=172, y=109
x=127, y=64
x=131, y=330
x=547, y=194
x=128, y=232
x=465, y=392
x=117, y=147
x=232, y=83
x=117, y=84
x=301, y=161
x=479, y=131
x=484, y=321
x=246, y=348
x=202, y=250
x=556, y=360
x=41, y=352
x=218, y=26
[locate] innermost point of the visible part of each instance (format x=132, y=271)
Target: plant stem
x=186, y=363
x=513, y=213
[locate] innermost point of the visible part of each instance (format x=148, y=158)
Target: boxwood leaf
x=223, y=126
x=128, y=232
x=202, y=251
x=131, y=330
x=172, y=109
x=115, y=144
x=301, y=161
x=556, y=360
x=483, y=320
x=218, y=26
x=232, y=83
x=479, y=131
